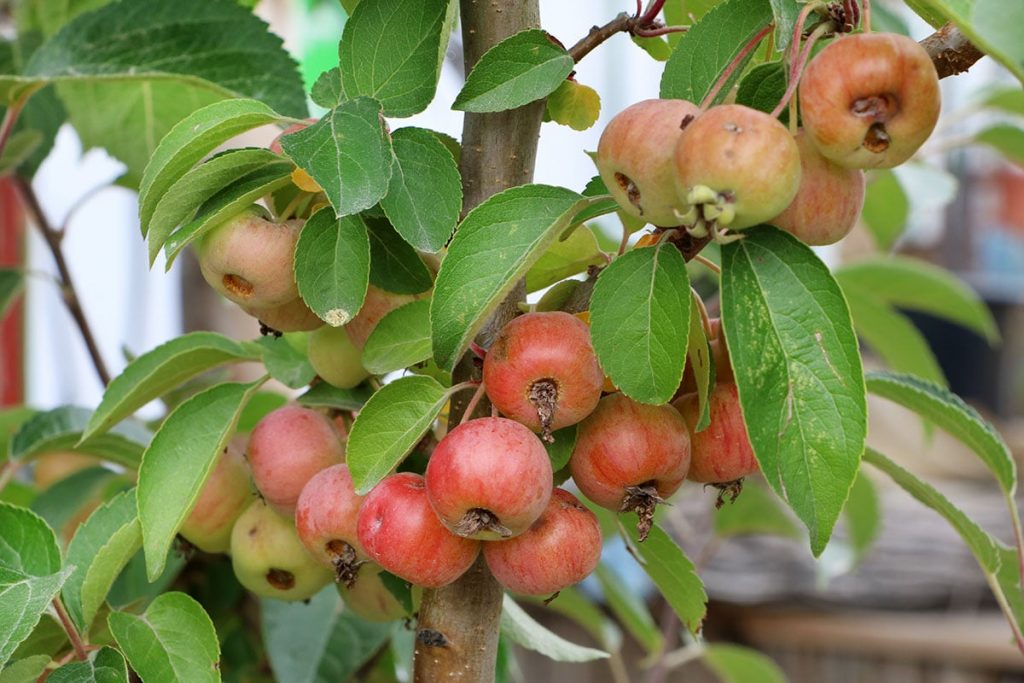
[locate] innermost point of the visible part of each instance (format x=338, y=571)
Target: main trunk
x=457, y=634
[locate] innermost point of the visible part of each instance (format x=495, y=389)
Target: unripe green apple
x=248, y=259
x=634, y=157
x=377, y=304
x=292, y=316
x=370, y=599
x=335, y=358
x=270, y=560
x=225, y=496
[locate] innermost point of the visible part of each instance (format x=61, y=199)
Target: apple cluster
x=866, y=101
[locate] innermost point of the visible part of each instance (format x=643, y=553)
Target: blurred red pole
x=12, y=230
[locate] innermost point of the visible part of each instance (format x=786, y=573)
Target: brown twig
x=68, y=292
x=951, y=51
x=598, y=34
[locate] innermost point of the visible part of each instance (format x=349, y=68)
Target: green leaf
x=323, y=395
x=798, y=371
x=565, y=258
x=192, y=190
x=390, y=50
x=107, y=666
x=891, y=335
x=1009, y=100
x=62, y=428
x=520, y=69
x=173, y=641
x=737, y=664
x=672, y=572
x=179, y=460
x=494, y=247
x=389, y=426
x=318, y=642
x=581, y=609
x=886, y=208
x=985, y=548
x=786, y=12
x=918, y=286
x=705, y=51
x=348, y=153
x=755, y=511
x=394, y=265
x=424, y=197
x=1005, y=138
x=576, y=105
x=763, y=87
x=990, y=25
x=560, y=449
x=639, y=322
x=99, y=550
x=190, y=140
x=950, y=413
x=630, y=609
x=26, y=670
x=227, y=204
x=522, y=629
x=401, y=339
x=285, y=363
x=332, y=265
x=156, y=372
x=657, y=47
x=327, y=92
x=20, y=147
x=11, y=282
x=30, y=574
x=72, y=496
x=700, y=359
x=863, y=514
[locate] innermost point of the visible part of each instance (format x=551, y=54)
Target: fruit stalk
x=457, y=634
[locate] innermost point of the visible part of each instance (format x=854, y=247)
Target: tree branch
x=599, y=34
x=67, y=285
x=457, y=633
x=951, y=51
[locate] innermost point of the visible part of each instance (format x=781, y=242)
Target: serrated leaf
x=560, y=449
x=389, y=426
x=424, y=197
x=323, y=395
x=786, y=13
x=886, y=208
x=755, y=511
x=30, y=574
x=892, y=336
x=74, y=496
x=101, y=549
x=763, y=87
x=495, y=245
x=1006, y=139
x=62, y=429
x=737, y=664
x=581, y=609
x=332, y=265
x=596, y=188
x=190, y=140
x=174, y=640
x=327, y=92
x=948, y=411
x=25, y=670
x=798, y=371
x=179, y=460
x=565, y=258
x=710, y=45
x=639, y=322
x=285, y=363
x=700, y=360
x=226, y=204
x=520, y=69
x=192, y=190
x=348, y=153
x=576, y=105
x=106, y=666
x=991, y=26
x=390, y=50
x=394, y=265
x=318, y=642
x=524, y=630
x=401, y=339
x=156, y=372
x=630, y=609
x=672, y=573
x=11, y=282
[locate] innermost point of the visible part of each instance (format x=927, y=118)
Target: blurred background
x=913, y=608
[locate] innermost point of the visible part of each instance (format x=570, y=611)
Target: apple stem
x=659, y=31
x=733, y=65
x=77, y=642
x=471, y=406
x=708, y=263
x=651, y=14
x=866, y=15
x=479, y=351
x=798, y=66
